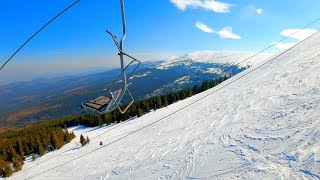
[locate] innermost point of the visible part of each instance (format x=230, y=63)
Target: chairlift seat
x=99, y=103
x=102, y=103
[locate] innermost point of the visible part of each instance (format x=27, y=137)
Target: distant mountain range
x=46, y=99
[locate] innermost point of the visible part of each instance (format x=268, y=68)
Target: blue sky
x=77, y=41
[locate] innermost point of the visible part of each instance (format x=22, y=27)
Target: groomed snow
x=263, y=126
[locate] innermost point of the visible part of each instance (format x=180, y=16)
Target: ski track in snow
x=264, y=126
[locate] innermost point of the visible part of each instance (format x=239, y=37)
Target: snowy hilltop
x=260, y=124
x=217, y=57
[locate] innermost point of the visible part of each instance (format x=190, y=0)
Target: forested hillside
x=36, y=140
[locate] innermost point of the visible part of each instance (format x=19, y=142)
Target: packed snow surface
x=265, y=125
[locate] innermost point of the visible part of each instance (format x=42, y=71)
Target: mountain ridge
x=47, y=99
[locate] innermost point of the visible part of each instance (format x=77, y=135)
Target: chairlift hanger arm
x=117, y=95
x=124, y=25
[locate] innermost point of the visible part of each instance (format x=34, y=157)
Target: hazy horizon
x=77, y=42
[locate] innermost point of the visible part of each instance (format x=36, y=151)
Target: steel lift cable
x=37, y=32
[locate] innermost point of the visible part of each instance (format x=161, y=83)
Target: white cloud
x=259, y=11
x=211, y=5
x=225, y=33
x=299, y=36
x=204, y=27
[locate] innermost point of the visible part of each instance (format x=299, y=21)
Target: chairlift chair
x=103, y=104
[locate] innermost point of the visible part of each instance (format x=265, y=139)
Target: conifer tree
x=5, y=169
x=100, y=122
x=165, y=101
x=172, y=98
x=40, y=150
x=32, y=143
x=140, y=112
x=158, y=102
x=82, y=140
x=26, y=147
x=33, y=157
x=11, y=153
x=182, y=94
x=145, y=105
x=101, y=143
x=57, y=143
x=73, y=135
x=20, y=150
x=107, y=118
x=45, y=139
x=17, y=165
x=133, y=110
x=190, y=93
x=66, y=136
x=196, y=89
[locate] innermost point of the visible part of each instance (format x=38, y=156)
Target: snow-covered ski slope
x=265, y=125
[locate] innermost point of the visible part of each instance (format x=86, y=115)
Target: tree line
x=48, y=136
x=140, y=107
x=35, y=140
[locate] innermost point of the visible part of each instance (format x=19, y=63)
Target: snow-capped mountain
x=260, y=124
x=217, y=57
